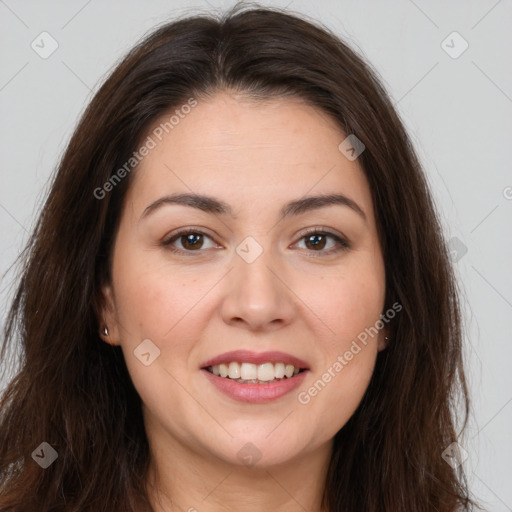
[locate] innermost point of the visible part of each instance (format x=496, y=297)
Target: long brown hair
x=73, y=391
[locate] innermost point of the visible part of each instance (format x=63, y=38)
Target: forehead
x=248, y=152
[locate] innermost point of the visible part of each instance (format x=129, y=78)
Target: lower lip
x=255, y=393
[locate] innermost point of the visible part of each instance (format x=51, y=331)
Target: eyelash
x=343, y=244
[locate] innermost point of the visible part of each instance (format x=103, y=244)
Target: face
x=253, y=273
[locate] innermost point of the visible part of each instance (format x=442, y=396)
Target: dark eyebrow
x=211, y=205
x=315, y=202
x=204, y=203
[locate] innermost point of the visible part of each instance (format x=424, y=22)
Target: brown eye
x=191, y=240
x=316, y=241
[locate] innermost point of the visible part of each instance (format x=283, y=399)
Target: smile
x=253, y=374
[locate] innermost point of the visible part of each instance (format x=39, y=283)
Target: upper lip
x=246, y=356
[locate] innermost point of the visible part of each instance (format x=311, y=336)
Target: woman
x=237, y=295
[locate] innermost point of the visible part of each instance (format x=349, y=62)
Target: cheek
x=146, y=306
x=164, y=306
x=350, y=304
x=347, y=303
x=153, y=307
x=341, y=380
x=345, y=389
x=150, y=297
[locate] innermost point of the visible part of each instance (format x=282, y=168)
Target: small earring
x=105, y=331
x=386, y=338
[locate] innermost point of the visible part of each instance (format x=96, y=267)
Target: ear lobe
x=383, y=340
x=108, y=325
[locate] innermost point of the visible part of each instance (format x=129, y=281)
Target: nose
x=256, y=295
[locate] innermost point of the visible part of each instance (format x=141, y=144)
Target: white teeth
x=266, y=372
x=279, y=368
x=234, y=371
x=288, y=370
x=251, y=372
x=223, y=370
x=248, y=371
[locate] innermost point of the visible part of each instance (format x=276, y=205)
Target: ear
x=108, y=316
x=383, y=339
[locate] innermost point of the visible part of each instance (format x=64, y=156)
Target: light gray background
x=458, y=112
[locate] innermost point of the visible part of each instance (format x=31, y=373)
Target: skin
x=255, y=156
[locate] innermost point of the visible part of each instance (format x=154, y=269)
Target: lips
x=246, y=356
x=255, y=393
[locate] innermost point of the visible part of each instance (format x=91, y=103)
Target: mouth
x=249, y=373
x=245, y=367
x=266, y=387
